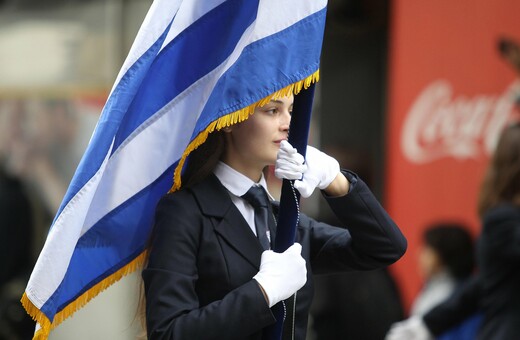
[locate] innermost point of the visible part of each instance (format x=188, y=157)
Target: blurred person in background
x=495, y=288
x=446, y=259
x=16, y=261
x=41, y=143
x=446, y=262
x=38, y=140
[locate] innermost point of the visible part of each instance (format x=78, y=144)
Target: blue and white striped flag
x=195, y=67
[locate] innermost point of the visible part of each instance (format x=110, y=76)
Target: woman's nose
x=285, y=120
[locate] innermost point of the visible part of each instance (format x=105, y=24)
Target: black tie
x=257, y=197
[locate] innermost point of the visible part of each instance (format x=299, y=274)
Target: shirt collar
x=235, y=182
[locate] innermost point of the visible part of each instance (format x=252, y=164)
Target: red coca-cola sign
x=441, y=124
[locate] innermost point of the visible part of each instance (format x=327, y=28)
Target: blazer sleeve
x=172, y=306
x=367, y=238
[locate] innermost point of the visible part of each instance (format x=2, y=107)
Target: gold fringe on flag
x=237, y=117
x=46, y=325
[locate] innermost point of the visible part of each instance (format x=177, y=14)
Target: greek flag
x=196, y=66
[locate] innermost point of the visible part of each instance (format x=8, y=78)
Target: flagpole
x=288, y=213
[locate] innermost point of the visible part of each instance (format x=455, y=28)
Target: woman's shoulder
x=180, y=197
x=208, y=195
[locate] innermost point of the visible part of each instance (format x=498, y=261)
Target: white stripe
x=272, y=14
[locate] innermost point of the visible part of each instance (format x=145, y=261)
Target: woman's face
x=254, y=143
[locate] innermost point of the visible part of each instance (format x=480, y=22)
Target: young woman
x=494, y=290
x=208, y=276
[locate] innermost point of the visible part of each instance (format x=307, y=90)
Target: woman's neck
x=251, y=172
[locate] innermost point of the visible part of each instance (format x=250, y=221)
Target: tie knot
x=256, y=196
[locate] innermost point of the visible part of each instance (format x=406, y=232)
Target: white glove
x=289, y=163
x=409, y=329
x=282, y=274
x=319, y=169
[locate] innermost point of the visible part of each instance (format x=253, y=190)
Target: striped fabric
x=194, y=67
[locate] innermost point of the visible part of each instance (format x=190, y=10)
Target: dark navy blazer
x=198, y=281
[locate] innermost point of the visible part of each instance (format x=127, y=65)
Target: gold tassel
x=37, y=316
x=44, y=322
x=237, y=117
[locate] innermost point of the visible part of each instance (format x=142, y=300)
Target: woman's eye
x=272, y=111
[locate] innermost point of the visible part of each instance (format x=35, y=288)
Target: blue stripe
x=267, y=66
x=110, y=119
x=108, y=246
x=193, y=54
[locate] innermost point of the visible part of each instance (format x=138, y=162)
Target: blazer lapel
x=214, y=201
x=235, y=230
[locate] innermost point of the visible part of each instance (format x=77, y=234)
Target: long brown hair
x=202, y=161
x=199, y=165
x=502, y=180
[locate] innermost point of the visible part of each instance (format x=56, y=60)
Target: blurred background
x=412, y=97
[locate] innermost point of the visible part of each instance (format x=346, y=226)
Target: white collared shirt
x=237, y=185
